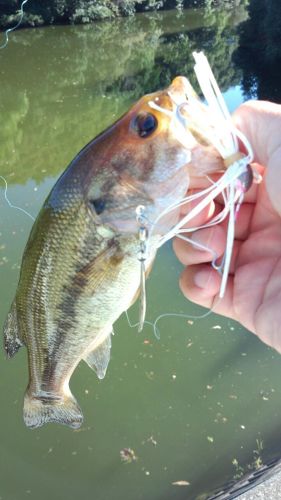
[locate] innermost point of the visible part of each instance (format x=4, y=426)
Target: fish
x=80, y=268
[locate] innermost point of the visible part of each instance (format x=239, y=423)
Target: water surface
x=200, y=405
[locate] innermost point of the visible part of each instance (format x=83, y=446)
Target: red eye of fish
x=145, y=124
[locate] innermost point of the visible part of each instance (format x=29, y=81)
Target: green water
x=208, y=392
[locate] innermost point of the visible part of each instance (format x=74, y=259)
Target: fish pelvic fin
x=99, y=358
x=12, y=340
x=43, y=408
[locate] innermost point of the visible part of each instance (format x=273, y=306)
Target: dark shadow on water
x=259, y=51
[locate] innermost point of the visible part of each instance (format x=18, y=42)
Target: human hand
x=253, y=292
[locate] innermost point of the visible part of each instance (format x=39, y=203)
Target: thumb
x=260, y=121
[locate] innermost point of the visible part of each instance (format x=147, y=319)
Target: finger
x=196, y=250
x=203, y=182
x=235, y=256
x=243, y=221
x=201, y=284
x=260, y=122
x=208, y=244
x=201, y=218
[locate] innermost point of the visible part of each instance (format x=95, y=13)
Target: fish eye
x=99, y=205
x=145, y=124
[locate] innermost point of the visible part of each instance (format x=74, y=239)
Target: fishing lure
x=234, y=182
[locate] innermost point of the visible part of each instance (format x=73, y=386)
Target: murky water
x=203, y=403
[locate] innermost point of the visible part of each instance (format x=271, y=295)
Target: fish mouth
x=181, y=90
x=174, y=103
x=175, y=96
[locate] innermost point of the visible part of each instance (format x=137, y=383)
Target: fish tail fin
x=41, y=409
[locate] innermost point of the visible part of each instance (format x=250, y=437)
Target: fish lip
x=179, y=88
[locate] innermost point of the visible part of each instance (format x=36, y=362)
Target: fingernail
x=201, y=278
x=198, y=245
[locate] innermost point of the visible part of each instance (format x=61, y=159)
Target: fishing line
x=135, y=325
x=9, y=30
x=181, y=315
x=4, y=44
x=10, y=203
x=156, y=331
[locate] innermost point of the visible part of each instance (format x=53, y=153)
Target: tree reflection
x=61, y=86
x=259, y=53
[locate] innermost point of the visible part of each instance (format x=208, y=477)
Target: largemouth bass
x=80, y=269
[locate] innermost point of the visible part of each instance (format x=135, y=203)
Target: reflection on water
x=259, y=52
x=201, y=405
x=61, y=86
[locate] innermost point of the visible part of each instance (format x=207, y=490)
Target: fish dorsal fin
x=98, y=359
x=12, y=340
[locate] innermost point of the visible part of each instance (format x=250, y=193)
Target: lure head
x=245, y=180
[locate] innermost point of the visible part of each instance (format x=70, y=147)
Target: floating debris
x=264, y=395
x=239, y=471
x=210, y=439
x=220, y=419
x=216, y=327
x=181, y=483
x=128, y=455
x=152, y=440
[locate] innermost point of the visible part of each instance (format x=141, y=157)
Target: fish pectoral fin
x=98, y=359
x=60, y=408
x=12, y=340
x=102, y=269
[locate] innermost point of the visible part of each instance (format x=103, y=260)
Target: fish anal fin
x=12, y=340
x=99, y=358
x=41, y=409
